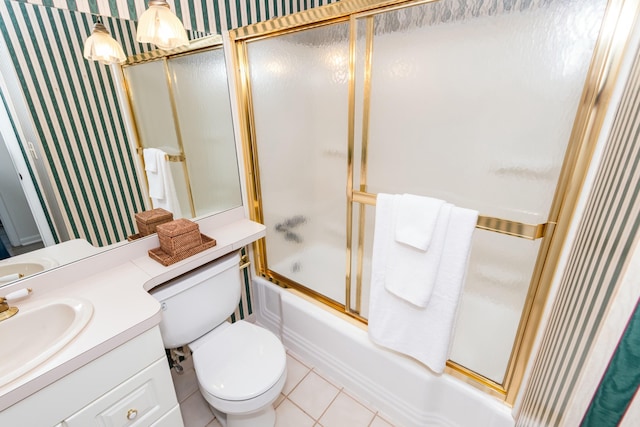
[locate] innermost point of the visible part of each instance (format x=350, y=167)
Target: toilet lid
x=241, y=362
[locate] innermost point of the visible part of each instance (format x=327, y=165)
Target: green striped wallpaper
x=74, y=108
x=209, y=16
x=607, y=233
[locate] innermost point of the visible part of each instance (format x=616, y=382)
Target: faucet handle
x=20, y=293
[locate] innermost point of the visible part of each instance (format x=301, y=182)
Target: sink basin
x=37, y=333
x=9, y=270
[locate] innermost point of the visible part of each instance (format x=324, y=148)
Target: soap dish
x=167, y=259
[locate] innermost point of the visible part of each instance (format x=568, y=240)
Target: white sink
x=36, y=333
x=10, y=271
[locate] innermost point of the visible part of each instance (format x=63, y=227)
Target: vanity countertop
x=116, y=282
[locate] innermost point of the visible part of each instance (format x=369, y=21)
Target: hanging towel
x=153, y=156
x=416, y=222
x=422, y=333
x=411, y=273
x=162, y=190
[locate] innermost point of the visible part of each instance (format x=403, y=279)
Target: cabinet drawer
x=173, y=418
x=139, y=401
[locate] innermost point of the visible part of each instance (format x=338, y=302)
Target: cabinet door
x=173, y=418
x=139, y=401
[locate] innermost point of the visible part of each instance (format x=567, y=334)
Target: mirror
x=69, y=119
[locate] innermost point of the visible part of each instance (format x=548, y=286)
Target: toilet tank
x=196, y=302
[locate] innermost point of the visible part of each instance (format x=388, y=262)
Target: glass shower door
x=474, y=103
x=299, y=93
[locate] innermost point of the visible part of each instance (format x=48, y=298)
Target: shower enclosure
x=477, y=103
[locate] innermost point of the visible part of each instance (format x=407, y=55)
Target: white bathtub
x=405, y=391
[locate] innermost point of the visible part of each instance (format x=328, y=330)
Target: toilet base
x=263, y=418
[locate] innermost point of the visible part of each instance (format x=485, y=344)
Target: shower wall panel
x=299, y=88
x=476, y=106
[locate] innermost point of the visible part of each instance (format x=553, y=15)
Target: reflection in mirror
x=70, y=127
x=181, y=107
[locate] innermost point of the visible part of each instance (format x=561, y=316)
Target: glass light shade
x=101, y=47
x=161, y=27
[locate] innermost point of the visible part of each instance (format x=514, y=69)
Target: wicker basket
x=165, y=259
x=178, y=236
x=148, y=221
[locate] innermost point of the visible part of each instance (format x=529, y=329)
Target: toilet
x=240, y=367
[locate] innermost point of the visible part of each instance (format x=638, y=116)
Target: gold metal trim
x=176, y=122
x=350, y=152
x=311, y=16
x=475, y=379
x=366, y=114
x=214, y=41
x=498, y=225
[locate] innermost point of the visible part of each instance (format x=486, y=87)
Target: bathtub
x=405, y=391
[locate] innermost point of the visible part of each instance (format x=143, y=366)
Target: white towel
x=422, y=333
x=162, y=190
x=411, y=273
x=416, y=222
x=153, y=156
x=150, y=159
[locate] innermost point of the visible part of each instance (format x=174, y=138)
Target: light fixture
x=101, y=47
x=161, y=27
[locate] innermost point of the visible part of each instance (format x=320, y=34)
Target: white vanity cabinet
x=129, y=386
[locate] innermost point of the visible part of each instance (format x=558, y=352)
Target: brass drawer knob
x=132, y=414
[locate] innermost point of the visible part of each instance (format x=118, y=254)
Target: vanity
x=114, y=372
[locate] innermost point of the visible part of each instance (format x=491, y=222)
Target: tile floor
x=307, y=400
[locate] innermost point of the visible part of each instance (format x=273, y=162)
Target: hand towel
x=150, y=159
x=411, y=273
x=162, y=189
x=155, y=180
x=422, y=333
x=417, y=218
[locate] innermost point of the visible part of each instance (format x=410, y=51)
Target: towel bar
x=168, y=157
x=498, y=225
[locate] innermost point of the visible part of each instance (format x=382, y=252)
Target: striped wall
x=208, y=16
x=73, y=107
x=607, y=235
x=74, y=112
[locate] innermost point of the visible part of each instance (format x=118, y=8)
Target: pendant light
x=161, y=27
x=101, y=47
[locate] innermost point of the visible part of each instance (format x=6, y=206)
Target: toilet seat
x=240, y=362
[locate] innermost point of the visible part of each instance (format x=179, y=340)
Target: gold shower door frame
x=616, y=28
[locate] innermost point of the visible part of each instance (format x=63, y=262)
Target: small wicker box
x=179, y=236
x=147, y=221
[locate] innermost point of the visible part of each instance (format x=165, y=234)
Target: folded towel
x=422, y=333
x=416, y=221
x=411, y=273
